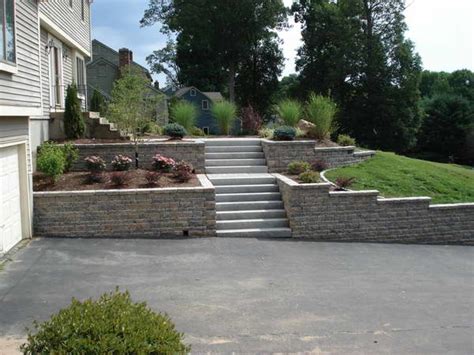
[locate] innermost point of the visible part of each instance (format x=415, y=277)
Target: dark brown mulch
x=78, y=181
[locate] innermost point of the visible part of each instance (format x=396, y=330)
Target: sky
x=442, y=30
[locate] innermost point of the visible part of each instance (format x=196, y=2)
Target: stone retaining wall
x=279, y=154
x=137, y=213
x=316, y=213
x=190, y=151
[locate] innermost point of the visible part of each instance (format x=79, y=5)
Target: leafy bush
x=120, y=178
x=121, y=162
x=74, y=126
x=343, y=182
x=319, y=165
x=320, y=111
x=289, y=111
x=345, y=140
x=113, y=324
x=197, y=132
x=174, y=130
x=266, y=132
x=185, y=114
x=153, y=128
x=251, y=120
x=298, y=167
x=51, y=161
x=152, y=178
x=163, y=164
x=309, y=177
x=183, y=171
x=71, y=154
x=95, y=163
x=284, y=133
x=225, y=113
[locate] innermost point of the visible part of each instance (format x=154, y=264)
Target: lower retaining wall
x=190, y=151
x=138, y=213
x=316, y=213
x=280, y=153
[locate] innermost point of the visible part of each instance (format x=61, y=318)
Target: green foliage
x=153, y=128
x=113, y=324
x=197, y=132
x=174, y=130
x=266, y=132
x=298, y=167
x=225, y=113
x=74, y=126
x=71, y=154
x=289, y=111
x=398, y=176
x=345, y=140
x=98, y=103
x=320, y=111
x=288, y=87
x=51, y=161
x=284, y=133
x=185, y=114
x=309, y=177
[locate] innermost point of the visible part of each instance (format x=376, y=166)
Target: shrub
x=298, y=167
x=343, y=182
x=309, y=177
x=174, y=130
x=345, y=140
x=289, y=111
x=319, y=165
x=95, y=177
x=162, y=163
x=98, y=103
x=71, y=154
x=197, y=132
x=51, y=161
x=152, y=178
x=185, y=114
x=74, y=126
x=153, y=128
x=225, y=113
x=119, y=178
x=320, y=111
x=266, y=132
x=183, y=171
x=121, y=163
x=113, y=324
x=95, y=163
x=284, y=133
x=251, y=120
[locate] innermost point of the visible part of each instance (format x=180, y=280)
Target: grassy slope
x=397, y=176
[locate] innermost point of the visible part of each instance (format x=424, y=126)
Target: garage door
x=10, y=208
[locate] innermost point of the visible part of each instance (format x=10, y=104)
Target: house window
x=83, y=10
x=193, y=92
x=80, y=76
x=7, y=31
x=205, y=105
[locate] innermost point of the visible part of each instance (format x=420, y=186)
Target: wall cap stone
x=448, y=206
x=144, y=143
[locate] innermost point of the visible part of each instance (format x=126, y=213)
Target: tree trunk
x=232, y=82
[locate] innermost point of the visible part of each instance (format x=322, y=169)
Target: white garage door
x=10, y=208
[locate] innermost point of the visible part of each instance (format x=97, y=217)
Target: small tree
x=98, y=102
x=225, y=113
x=133, y=105
x=74, y=126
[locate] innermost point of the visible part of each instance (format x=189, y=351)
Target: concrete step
x=241, y=179
x=235, y=162
x=256, y=233
x=257, y=196
x=236, y=155
x=234, y=149
x=252, y=214
x=249, y=205
x=234, y=189
x=252, y=223
x=236, y=169
x=233, y=142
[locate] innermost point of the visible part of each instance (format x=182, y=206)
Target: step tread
x=284, y=232
x=231, y=221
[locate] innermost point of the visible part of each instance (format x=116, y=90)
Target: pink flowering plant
x=121, y=163
x=162, y=163
x=183, y=172
x=95, y=163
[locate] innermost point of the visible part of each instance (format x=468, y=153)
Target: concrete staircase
x=100, y=128
x=248, y=200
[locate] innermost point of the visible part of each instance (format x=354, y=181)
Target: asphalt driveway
x=248, y=295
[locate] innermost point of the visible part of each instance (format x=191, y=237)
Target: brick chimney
x=125, y=57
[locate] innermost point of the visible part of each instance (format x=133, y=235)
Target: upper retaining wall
x=280, y=153
x=190, y=151
x=316, y=213
x=137, y=213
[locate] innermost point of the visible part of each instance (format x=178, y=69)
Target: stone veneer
x=137, y=213
x=191, y=151
x=280, y=153
x=316, y=213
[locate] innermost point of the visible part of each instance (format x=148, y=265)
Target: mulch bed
x=78, y=181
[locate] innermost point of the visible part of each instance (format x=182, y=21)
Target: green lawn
x=398, y=176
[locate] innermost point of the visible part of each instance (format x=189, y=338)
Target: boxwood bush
x=309, y=177
x=51, y=161
x=113, y=324
x=284, y=133
x=298, y=167
x=174, y=130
